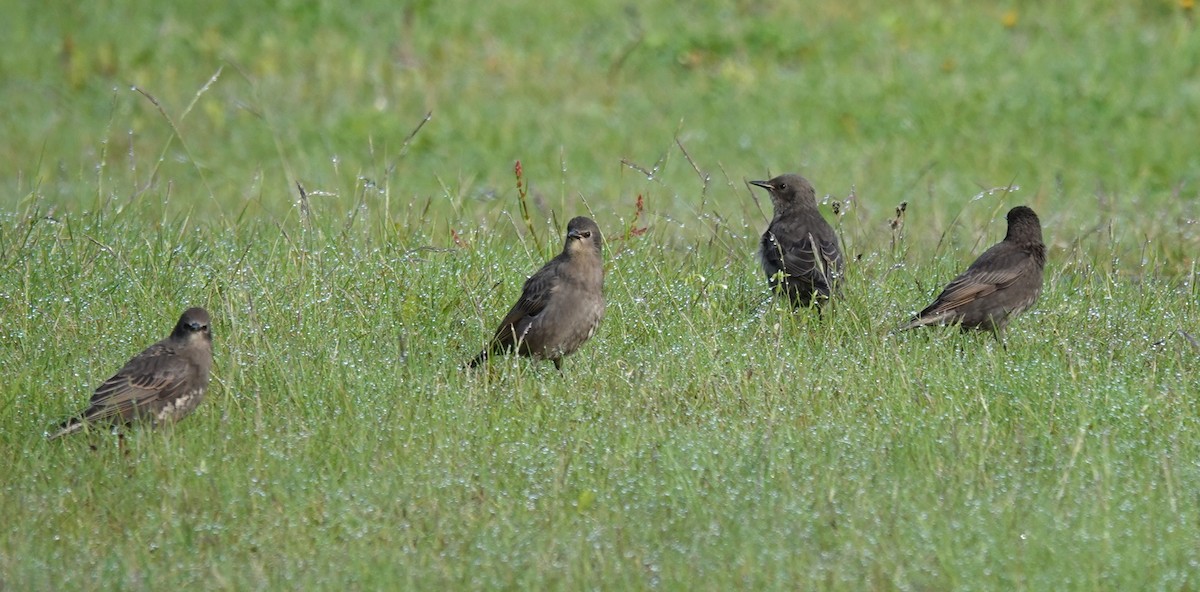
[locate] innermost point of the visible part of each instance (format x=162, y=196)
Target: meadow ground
x=706, y=438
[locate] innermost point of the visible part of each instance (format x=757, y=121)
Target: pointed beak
x=574, y=234
x=764, y=184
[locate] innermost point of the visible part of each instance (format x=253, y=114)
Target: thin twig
x=407, y=140
x=175, y=133
x=523, y=202
x=638, y=168
x=638, y=36
x=305, y=209
x=704, y=177
x=1189, y=338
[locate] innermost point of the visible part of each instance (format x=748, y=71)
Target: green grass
x=706, y=438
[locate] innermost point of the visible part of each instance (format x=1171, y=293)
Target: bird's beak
x=763, y=184
x=574, y=234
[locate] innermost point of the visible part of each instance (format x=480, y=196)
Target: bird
x=161, y=385
x=1004, y=281
x=799, y=251
x=561, y=305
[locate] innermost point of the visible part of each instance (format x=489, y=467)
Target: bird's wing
x=972, y=285
x=806, y=257
x=156, y=375
x=534, y=298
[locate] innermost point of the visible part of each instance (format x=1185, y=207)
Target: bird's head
x=1023, y=225
x=194, y=324
x=583, y=236
x=789, y=191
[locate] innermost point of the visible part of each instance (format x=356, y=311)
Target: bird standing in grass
x=799, y=250
x=161, y=385
x=1004, y=281
x=561, y=305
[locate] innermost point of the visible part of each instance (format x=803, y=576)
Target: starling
x=799, y=250
x=560, y=306
x=161, y=385
x=1005, y=280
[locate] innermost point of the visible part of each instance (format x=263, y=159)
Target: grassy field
x=706, y=438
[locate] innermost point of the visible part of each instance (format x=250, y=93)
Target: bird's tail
x=920, y=321
x=67, y=427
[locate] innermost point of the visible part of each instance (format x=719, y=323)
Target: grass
x=706, y=437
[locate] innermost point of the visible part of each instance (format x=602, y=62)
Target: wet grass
x=706, y=438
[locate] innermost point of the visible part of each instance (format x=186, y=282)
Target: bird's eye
x=783, y=185
x=586, y=234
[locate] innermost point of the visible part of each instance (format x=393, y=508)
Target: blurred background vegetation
x=1088, y=109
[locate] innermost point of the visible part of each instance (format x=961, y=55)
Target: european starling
x=161, y=385
x=799, y=250
x=560, y=306
x=1005, y=280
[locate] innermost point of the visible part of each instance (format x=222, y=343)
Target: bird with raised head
x=799, y=251
x=560, y=306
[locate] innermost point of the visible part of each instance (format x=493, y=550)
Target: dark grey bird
x=561, y=305
x=799, y=250
x=161, y=385
x=1004, y=281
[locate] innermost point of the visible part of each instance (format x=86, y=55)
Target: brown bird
x=799, y=250
x=560, y=306
x=160, y=385
x=1004, y=281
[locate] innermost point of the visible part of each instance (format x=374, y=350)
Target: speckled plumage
x=560, y=306
x=799, y=251
x=161, y=385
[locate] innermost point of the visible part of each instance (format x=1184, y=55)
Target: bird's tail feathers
x=937, y=319
x=67, y=427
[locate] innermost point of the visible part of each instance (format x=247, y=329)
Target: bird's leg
x=998, y=333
